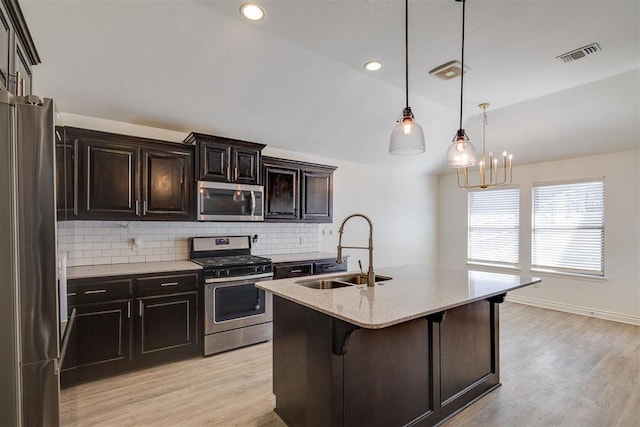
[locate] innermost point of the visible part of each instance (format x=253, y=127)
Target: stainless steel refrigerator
x=29, y=318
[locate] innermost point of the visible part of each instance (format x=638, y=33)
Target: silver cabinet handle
x=129, y=310
x=296, y=271
x=98, y=291
x=170, y=284
x=144, y=207
x=140, y=309
x=71, y=294
x=235, y=174
x=137, y=208
x=333, y=267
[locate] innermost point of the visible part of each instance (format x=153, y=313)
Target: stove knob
x=226, y=272
x=256, y=269
x=218, y=273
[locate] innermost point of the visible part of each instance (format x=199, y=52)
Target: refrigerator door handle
x=65, y=340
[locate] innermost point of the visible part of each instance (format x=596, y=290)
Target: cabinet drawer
x=169, y=284
x=283, y=271
x=84, y=291
x=322, y=267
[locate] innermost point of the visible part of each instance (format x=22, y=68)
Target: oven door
x=229, y=202
x=235, y=303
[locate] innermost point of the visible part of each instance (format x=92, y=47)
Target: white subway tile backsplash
x=111, y=242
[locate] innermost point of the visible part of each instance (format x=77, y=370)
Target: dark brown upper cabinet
x=297, y=191
x=282, y=188
x=226, y=160
x=17, y=50
x=5, y=48
x=166, y=189
x=66, y=176
x=125, y=177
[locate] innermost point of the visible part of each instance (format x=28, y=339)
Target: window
x=568, y=227
x=494, y=226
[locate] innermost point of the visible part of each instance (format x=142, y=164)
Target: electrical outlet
x=137, y=244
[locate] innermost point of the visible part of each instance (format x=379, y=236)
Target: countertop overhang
x=414, y=291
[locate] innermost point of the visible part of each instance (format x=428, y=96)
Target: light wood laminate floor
x=557, y=369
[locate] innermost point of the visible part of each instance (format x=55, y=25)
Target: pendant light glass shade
x=461, y=152
x=407, y=136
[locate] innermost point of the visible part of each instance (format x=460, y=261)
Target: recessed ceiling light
x=252, y=12
x=373, y=65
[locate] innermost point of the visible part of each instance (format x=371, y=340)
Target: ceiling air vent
x=579, y=53
x=448, y=71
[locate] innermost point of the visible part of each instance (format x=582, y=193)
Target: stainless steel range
x=236, y=313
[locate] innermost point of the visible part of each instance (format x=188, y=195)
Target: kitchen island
x=412, y=350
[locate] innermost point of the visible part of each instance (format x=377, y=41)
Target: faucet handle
x=360, y=264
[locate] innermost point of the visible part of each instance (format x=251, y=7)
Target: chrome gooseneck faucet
x=370, y=274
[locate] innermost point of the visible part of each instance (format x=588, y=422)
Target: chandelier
x=500, y=173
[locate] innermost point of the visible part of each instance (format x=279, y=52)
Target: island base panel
x=329, y=372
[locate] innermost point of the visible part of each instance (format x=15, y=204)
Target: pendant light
x=461, y=153
x=407, y=136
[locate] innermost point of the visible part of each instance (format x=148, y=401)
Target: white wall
x=402, y=207
x=617, y=297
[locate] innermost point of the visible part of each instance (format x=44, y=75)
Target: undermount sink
x=339, y=281
x=323, y=284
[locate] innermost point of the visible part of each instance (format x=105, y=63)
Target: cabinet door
x=245, y=164
x=23, y=67
x=5, y=49
x=167, y=328
x=166, y=185
x=99, y=343
x=109, y=180
x=214, y=162
x=66, y=177
x=317, y=197
x=281, y=189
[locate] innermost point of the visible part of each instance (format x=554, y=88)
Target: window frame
x=569, y=271
x=514, y=265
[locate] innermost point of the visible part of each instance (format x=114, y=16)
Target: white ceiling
x=295, y=80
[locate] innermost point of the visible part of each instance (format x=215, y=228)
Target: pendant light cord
x=406, y=52
x=462, y=65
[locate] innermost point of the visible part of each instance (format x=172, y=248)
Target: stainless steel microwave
x=219, y=201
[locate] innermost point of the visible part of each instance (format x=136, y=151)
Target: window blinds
x=568, y=227
x=494, y=226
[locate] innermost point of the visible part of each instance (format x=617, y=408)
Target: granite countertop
x=308, y=256
x=414, y=291
x=105, y=270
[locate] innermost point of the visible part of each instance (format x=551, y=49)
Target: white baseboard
x=600, y=314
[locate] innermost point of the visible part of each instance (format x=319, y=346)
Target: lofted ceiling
x=295, y=80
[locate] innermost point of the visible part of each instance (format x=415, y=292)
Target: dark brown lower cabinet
x=330, y=372
x=100, y=342
x=166, y=328
x=124, y=323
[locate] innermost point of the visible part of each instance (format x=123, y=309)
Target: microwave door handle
x=253, y=203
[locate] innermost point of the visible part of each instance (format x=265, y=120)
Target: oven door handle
x=238, y=278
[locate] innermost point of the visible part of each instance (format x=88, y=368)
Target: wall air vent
x=448, y=71
x=579, y=53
